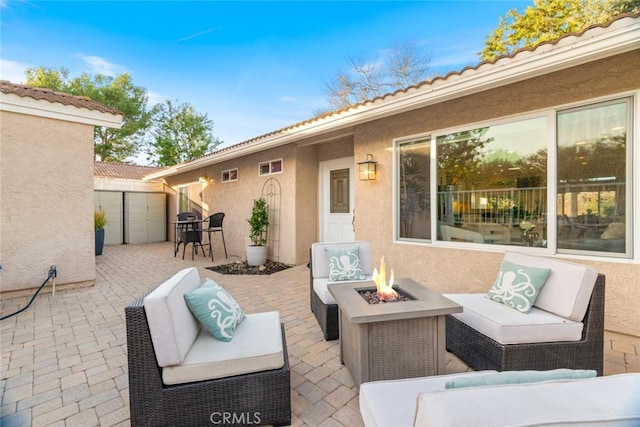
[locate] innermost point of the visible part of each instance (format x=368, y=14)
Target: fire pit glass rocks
x=384, y=291
x=373, y=297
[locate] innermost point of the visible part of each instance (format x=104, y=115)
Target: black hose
x=52, y=273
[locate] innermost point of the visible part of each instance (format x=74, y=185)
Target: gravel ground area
x=241, y=267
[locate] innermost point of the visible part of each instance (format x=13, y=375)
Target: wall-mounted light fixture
x=367, y=169
x=203, y=179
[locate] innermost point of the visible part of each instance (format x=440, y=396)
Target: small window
x=270, y=167
x=230, y=175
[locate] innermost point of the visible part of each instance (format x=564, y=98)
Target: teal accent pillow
x=520, y=377
x=344, y=264
x=518, y=286
x=218, y=312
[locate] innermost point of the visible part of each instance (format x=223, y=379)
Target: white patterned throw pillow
x=216, y=309
x=344, y=264
x=518, y=286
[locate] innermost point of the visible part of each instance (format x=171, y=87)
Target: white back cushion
x=173, y=328
x=320, y=264
x=568, y=289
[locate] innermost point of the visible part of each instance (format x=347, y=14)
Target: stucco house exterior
x=535, y=152
x=46, y=185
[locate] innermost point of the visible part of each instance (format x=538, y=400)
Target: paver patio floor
x=64, y=360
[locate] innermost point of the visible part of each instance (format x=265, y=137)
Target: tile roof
x=51, y=96
x=123, y=170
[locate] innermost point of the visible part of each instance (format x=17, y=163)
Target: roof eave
x=42, y=108
x=597, y=43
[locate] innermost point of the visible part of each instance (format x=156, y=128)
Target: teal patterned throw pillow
x=344, y=264
x=215, y=309
x=518, y=286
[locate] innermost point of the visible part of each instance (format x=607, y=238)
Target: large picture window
x=494, y=184
x=592, y=178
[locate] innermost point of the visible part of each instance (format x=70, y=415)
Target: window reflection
x=492, y=184
x=592, y=152
x=414, y=204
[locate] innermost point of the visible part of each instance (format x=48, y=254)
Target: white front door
x=336, y=200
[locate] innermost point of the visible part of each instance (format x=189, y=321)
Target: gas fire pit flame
x=385, y=291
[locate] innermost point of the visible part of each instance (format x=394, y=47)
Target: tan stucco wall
x=298, y=219
x=306, y=202
x=235, y=199
x=46, y=192
x=451, y=270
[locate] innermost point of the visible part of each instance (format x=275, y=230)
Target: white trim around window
x=424, y=200
x=271, y=167
x=229, y=175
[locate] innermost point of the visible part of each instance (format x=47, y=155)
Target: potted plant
x=258, y=222
x=99, y=221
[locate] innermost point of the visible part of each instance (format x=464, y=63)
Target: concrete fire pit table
x=392, y=340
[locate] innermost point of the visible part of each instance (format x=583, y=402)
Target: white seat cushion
x=173, y=328
x=320, y=288
x=256, y=346
x=568, y=288
x=508, y=326
x=601, y=401
x=394, y=403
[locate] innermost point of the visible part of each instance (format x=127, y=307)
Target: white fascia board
x=598, y=43
x=57, y=111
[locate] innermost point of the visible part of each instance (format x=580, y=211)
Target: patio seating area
x=64, y=360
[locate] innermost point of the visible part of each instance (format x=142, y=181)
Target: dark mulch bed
x=241, y=267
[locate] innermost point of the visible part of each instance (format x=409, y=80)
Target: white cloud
x=155, y=98
x=13, y=70
x=99, y=65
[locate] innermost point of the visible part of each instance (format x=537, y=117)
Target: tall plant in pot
x=258, y=222
x=99, y=221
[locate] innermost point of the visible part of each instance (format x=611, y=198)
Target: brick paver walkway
x=64, y=359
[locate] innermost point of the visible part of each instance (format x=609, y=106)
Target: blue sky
x=252, y=67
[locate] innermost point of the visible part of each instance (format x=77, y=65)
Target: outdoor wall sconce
x=367, y=169
x=203, y=179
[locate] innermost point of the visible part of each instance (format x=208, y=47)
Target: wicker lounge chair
x=481, y=352
x=326, y=313
x=250, y=399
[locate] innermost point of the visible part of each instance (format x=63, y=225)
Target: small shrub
x=99, y=219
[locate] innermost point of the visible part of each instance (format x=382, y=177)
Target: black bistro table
x=188, y=231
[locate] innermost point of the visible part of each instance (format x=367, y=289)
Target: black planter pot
x=99, y=240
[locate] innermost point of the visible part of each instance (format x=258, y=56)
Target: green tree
x=400, y=67
x=179, y=134
x=459, y=157
x=548, y=20
x=119, y=92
